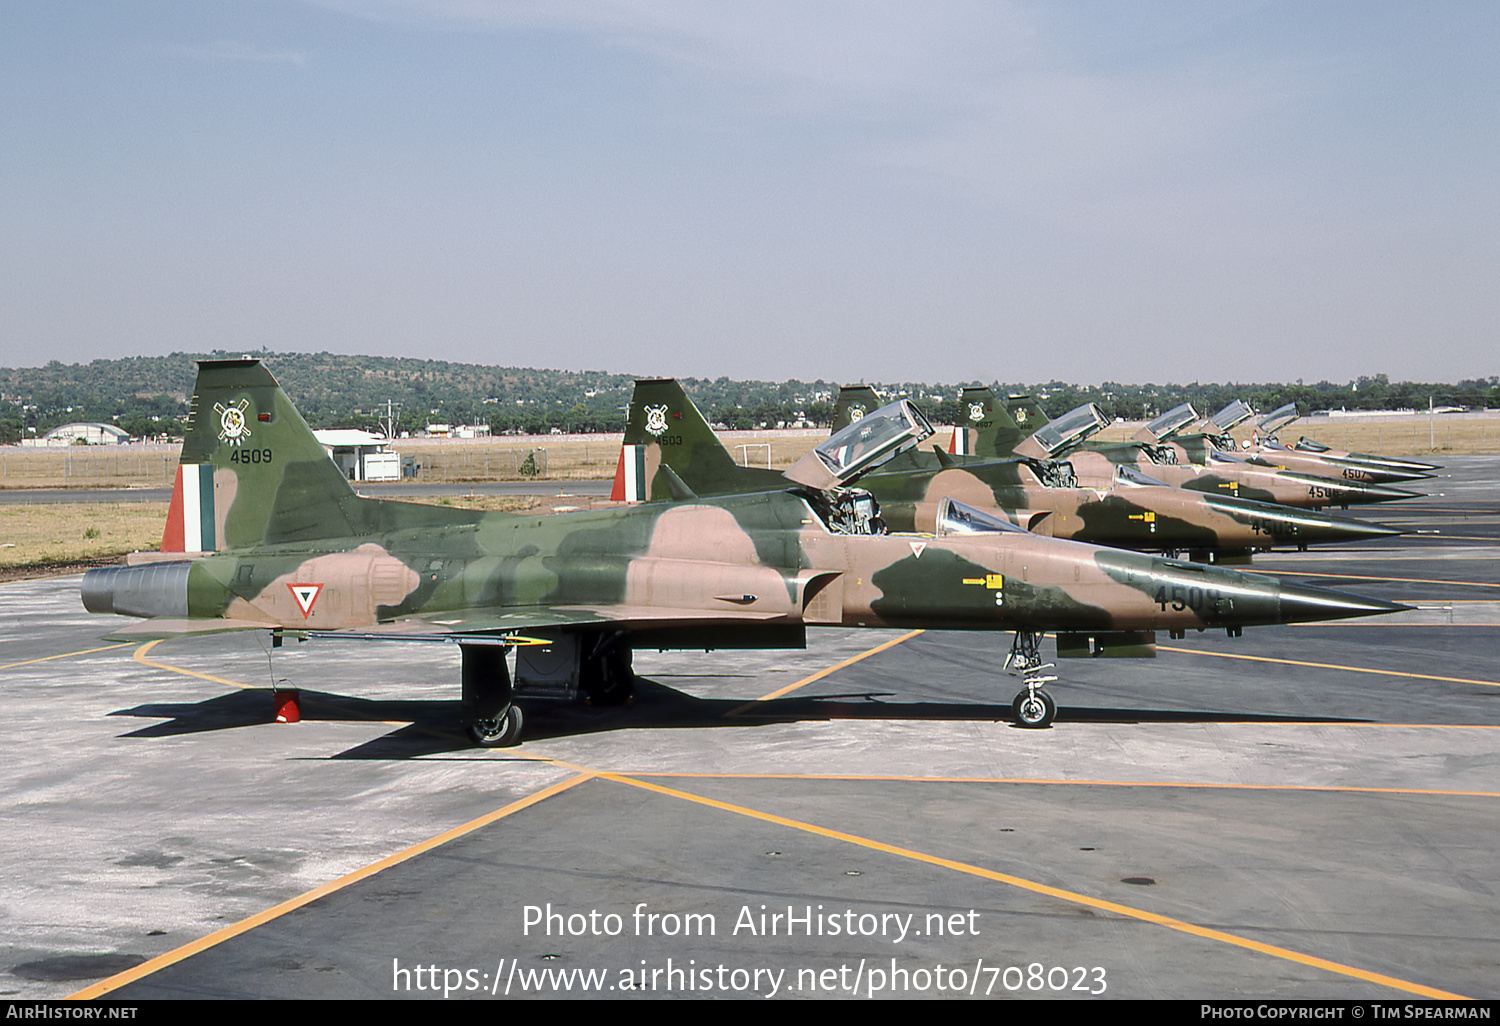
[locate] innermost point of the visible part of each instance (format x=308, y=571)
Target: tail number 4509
x=250, y=456
x=1179, y=598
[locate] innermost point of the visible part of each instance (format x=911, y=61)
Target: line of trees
x=148, y=396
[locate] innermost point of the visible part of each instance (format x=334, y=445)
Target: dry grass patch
x=488, y=503
x=65, y=531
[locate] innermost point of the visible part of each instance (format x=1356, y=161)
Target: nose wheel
x=1032, y=706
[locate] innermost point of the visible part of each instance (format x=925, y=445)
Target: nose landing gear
x=1032, y=706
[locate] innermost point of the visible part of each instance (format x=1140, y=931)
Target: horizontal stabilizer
x=160, y=628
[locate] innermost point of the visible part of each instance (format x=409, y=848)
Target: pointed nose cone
x=1369, y=469
x=1374, y=493
x=1287, y=525
x=1291, y=525
x=1300, y=604
x=1378, y=474
x=1344, y=529
x=1395, y=463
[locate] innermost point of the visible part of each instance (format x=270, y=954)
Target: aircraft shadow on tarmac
x=432, y=725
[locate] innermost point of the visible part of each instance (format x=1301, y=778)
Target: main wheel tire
x=1034, y=709
x=502, y=732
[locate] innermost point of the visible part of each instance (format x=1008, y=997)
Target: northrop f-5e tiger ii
x=288, y=547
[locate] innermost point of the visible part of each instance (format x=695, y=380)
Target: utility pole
x=390, y=419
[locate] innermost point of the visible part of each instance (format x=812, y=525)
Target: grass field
x=39, y=533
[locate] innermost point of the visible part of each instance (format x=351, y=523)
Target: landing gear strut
x=604, y=670
x=491, y=719
x=1032, y=706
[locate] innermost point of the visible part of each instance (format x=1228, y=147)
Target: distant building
x=82, y=434
x=457, y=431
x=360, y=455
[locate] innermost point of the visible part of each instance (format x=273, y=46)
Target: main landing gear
x=596, y=664
x=490, y=716
x=604, y=669
x=1032, y=706
x=498, y=733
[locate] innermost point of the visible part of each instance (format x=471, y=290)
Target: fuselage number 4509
x=1180, y=598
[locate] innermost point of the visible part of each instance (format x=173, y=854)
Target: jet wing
x=161, y=627
x=505, y=627
x=511, y=625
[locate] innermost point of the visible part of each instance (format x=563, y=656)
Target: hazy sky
x=1137, y=191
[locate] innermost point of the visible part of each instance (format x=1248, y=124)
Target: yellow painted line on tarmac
x=1074, y=897
x=836, y=667
x=65, y=655
x=140, y=657
x=1329, y=666
x=261, y=918
x=1181, y=784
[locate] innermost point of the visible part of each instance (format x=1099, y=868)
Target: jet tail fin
x=1026, y=412
x=986, y=427
x=251, y=467
x=853, y=403
x=665, y=430
x=252, y=473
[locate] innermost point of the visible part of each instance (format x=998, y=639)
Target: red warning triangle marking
x=306, y=595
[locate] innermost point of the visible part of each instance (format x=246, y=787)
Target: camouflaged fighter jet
x=685, y=459
x=1096, y=463
x=288, y=547
x=1307, y=454
x=1212, y=436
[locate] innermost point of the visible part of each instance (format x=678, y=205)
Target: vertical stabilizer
x=985, y=427
x=664, y=428
x=252, y=473
x=853, y=403
x=1026, y=412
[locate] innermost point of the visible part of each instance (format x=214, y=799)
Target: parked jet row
x=684, y=458
x=288, y=547
x=1310, y=456
x=1096, y=464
